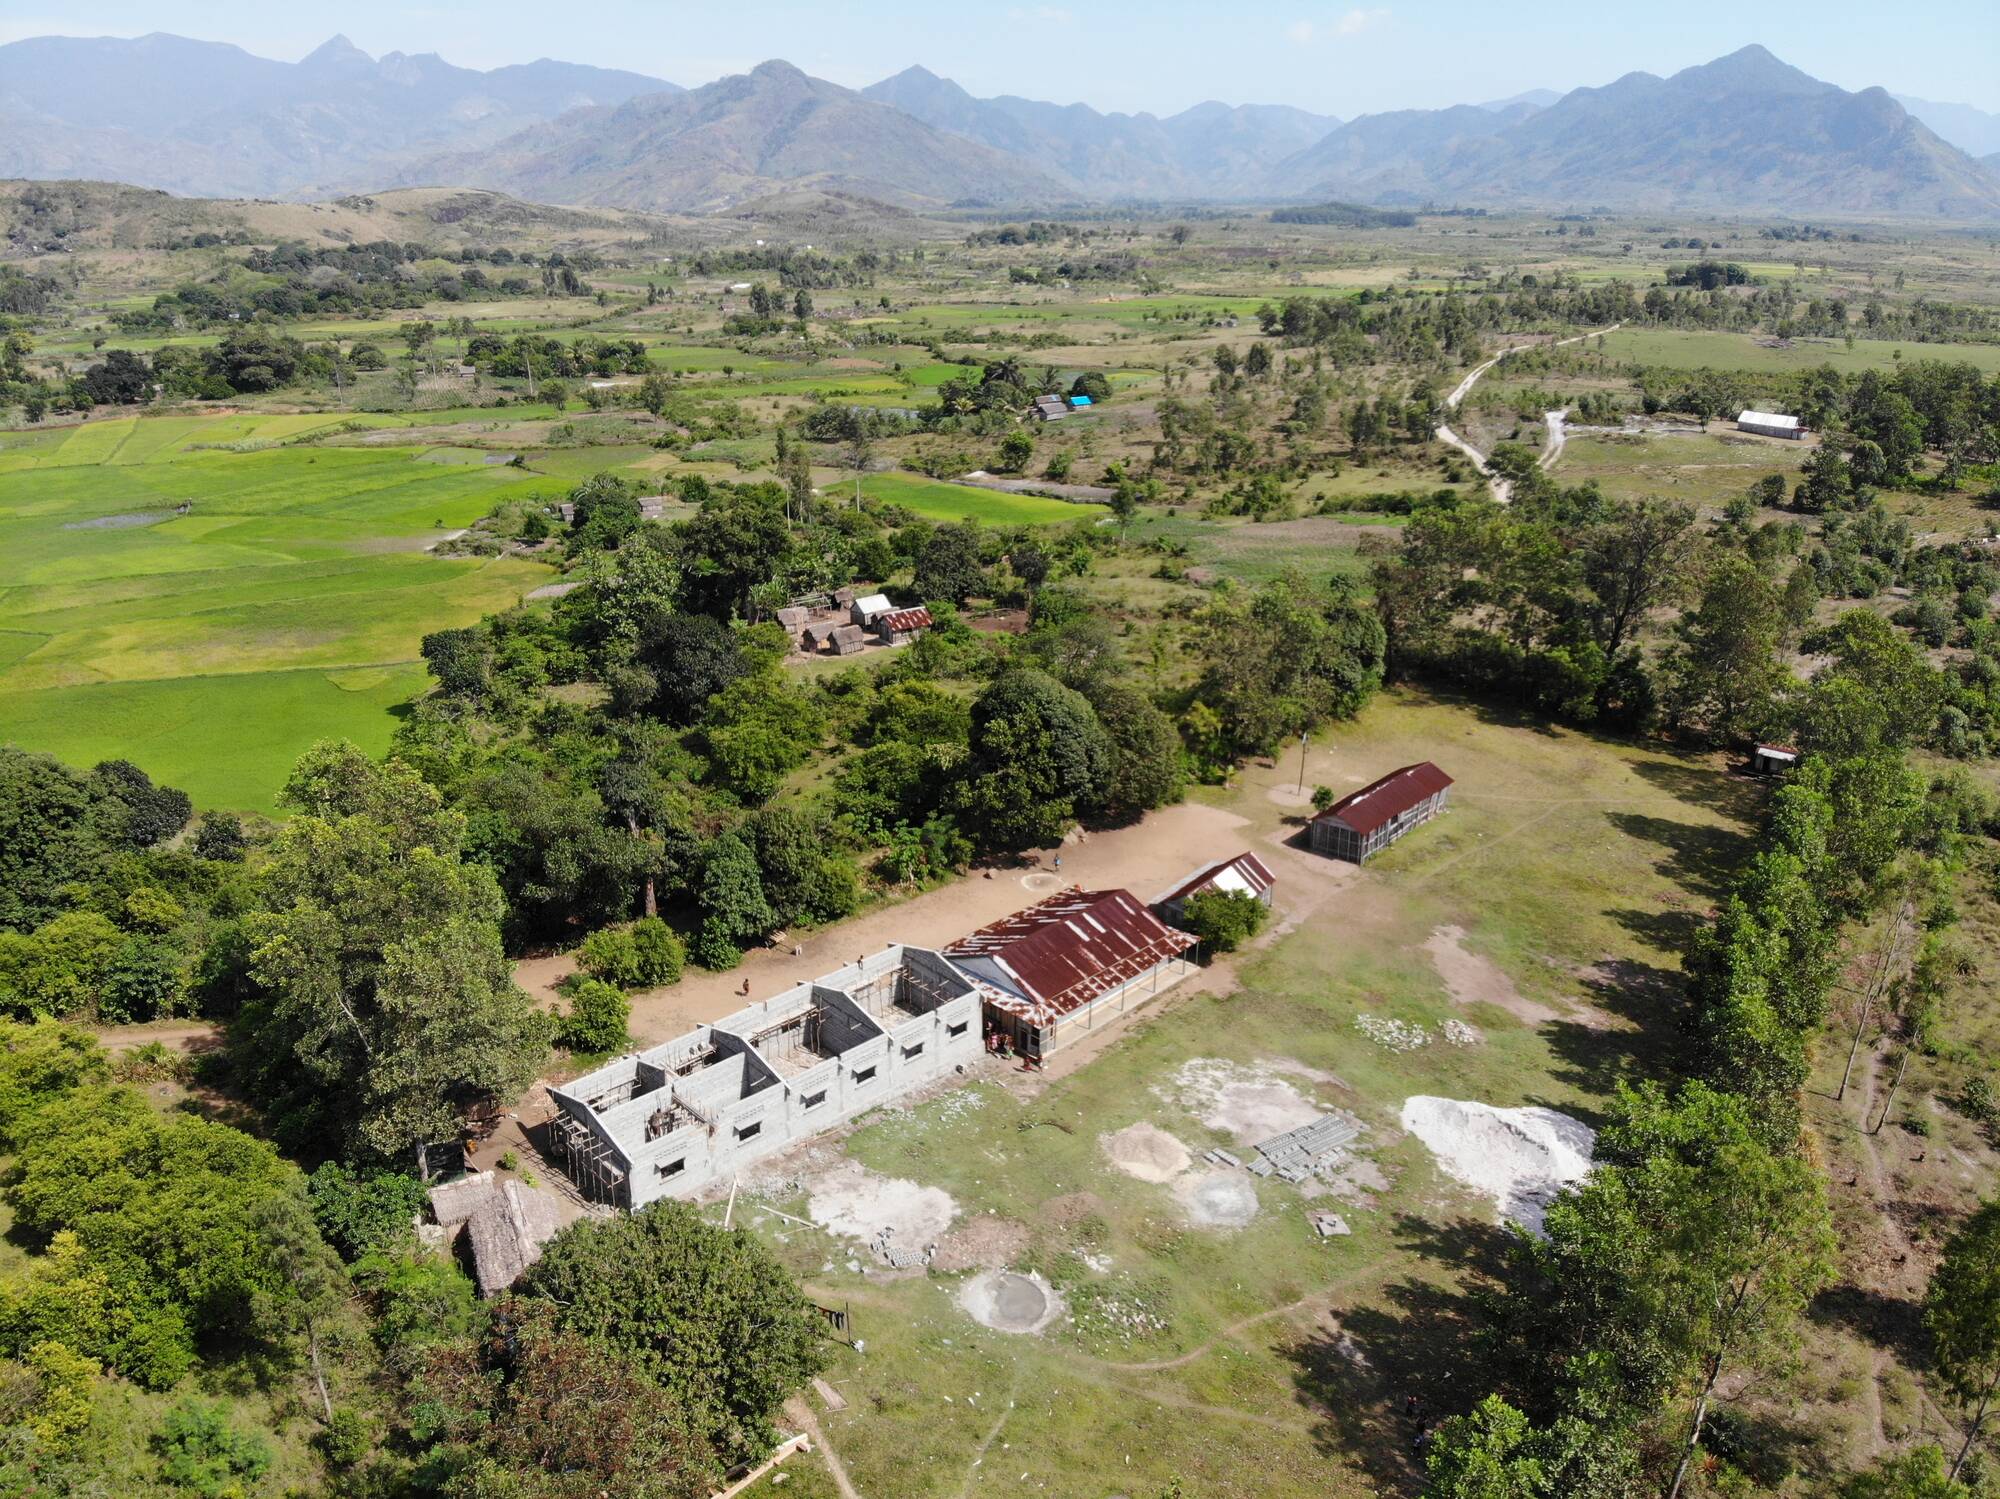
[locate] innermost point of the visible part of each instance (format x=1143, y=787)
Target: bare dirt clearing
x=856, y=1203
x=1218, y=1199
x=1473, y=979
x=1247, y=1103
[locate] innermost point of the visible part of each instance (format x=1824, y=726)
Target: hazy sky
x=1119, y=54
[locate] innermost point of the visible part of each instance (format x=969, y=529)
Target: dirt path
x=802, y=1417
x=1145, y=858
x=189, y=1035
x=1503, y=492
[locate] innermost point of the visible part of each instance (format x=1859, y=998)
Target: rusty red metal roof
x=918, y=618
x=1398, y=791
x=1250, y=869
x=1061, y=953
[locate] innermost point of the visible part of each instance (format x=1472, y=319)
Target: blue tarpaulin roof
x=1079, y=400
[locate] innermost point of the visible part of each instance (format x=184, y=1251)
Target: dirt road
x=1503, y=491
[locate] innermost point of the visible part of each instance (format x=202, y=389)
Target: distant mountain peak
x=335, y=52
x=777, y=69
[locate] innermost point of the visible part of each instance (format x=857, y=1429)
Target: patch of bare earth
x=984, y=1243
x=1472, y=979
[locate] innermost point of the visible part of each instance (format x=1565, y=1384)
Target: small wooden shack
x=1050, y=408
x=1361, y=825
x=1774, y=759
x=1246, y=874
x=898, y=626
x=818, y=635
x=849, y=640
x=865, y=608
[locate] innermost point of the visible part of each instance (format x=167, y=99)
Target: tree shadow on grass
x=1892, y=1323
x=1701, y=858
x=1643, y=1001
x=1697, y=782
x=1418, y=1341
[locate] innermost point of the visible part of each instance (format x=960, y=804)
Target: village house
x=849, y=640
x=899, y=626
x=865, y=608
x=1364, y=823
x=1246, y=874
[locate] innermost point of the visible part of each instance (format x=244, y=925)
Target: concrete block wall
x=744, y=1105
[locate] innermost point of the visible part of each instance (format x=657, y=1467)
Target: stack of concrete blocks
x=696, y=1111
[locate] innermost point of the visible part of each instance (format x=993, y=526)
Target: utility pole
x=1302, y=762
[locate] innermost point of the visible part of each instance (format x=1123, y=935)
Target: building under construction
x=680, y=1117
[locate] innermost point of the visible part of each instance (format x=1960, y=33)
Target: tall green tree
x=1962, y=1315
x=705, y=1313
x=385, y=1004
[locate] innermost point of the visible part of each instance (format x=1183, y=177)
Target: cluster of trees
x=294, y=280
x=666, y=794
x=248, y=360
x=796, y=268
x=1694, y=1247
x=1003, y=389
x=1543, y=601
x=99, y=917
x=168, y=1245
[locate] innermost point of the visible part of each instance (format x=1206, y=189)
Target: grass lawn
x=1265, y=1360
x=212, y=647
x=1742, y=351
x=935, y=500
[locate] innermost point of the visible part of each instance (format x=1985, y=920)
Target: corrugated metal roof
x=1063, y=952
x=874, y=603
x=904, y=619
x=1398, y=791
x=1765, y=419
x=1252, y=871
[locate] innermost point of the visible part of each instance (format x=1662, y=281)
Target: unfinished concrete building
x=693, y=1112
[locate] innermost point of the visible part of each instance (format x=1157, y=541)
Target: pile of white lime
x=1520, y=1158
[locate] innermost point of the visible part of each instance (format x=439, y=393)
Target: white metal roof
x=874, y=603
x=1765, y=419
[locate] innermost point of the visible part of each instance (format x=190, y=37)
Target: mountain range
x=1744, y=134
x=1209, y=151
x=210, y=119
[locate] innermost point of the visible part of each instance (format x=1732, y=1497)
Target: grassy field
x=1709, y=470
x=1265, y=1360
x=935, y=500
x=212, y=646
x=1744, y=351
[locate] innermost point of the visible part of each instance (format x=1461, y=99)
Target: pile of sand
x=1007, y=1301
x=854, y=1202
x=1521, y=1158
x=1145, y=1151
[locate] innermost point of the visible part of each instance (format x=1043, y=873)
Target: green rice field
x=212, y=646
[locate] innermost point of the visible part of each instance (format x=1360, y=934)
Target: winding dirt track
x=1502, y=490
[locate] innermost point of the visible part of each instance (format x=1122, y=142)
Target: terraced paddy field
x=212, y=644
